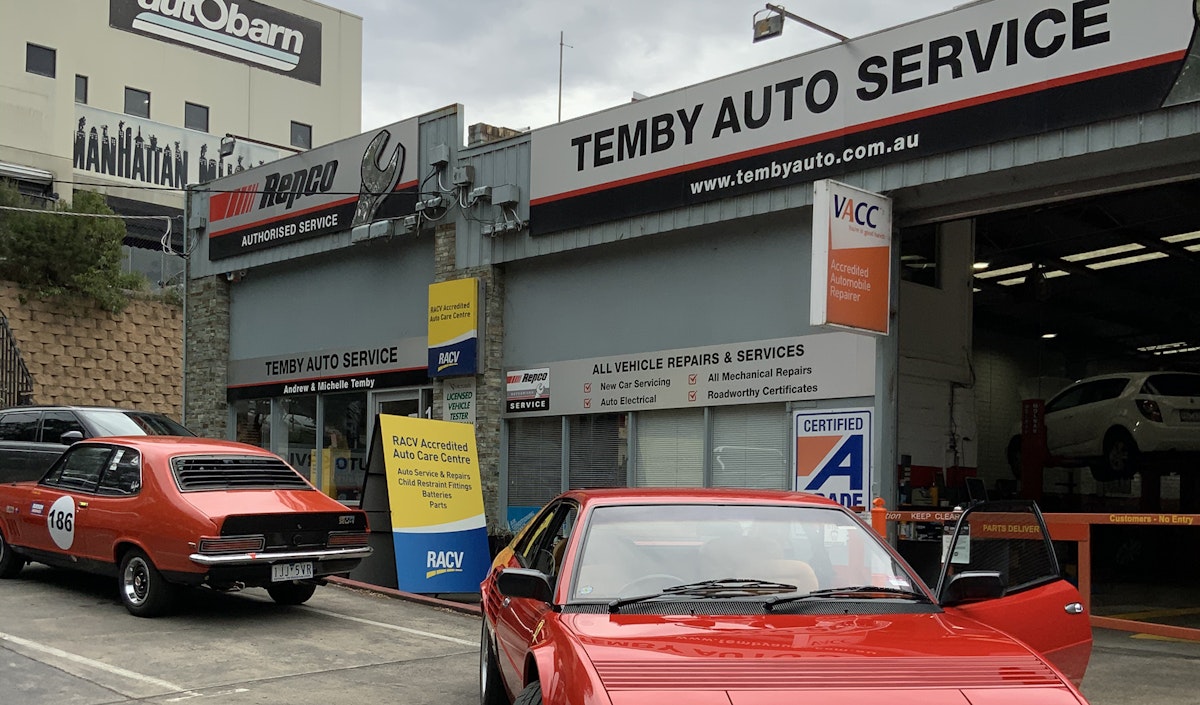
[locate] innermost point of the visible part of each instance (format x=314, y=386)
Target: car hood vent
x=826, y=672
x=197, y=473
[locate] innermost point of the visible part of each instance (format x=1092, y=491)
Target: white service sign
x=824, y=366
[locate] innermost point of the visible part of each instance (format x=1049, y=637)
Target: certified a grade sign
x=833, y=455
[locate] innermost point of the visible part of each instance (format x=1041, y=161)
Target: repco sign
x=244, y=31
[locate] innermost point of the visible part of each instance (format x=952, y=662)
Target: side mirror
x=525, y=582
x=70, y=437
x=973, y=585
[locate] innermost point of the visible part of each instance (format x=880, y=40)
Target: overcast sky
x=500, y=59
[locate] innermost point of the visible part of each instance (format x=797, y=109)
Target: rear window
x=133, y=423
x=1172, y=385
x=198, y=473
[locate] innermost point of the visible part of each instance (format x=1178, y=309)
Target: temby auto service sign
x=982, y=73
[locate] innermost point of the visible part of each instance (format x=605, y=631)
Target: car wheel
x=532, y=695
x=1013, y=456
x=11, y=562
x=491, y=688
x=291, y=593
x=144, y=591
x=1120, y=459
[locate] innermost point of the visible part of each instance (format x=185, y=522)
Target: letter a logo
x=846, y=461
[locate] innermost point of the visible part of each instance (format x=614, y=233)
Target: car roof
x=1133, y=375
x=685, y=495
x=79, y=407
x=180, y=445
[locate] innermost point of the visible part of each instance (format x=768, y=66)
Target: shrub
x=53, y=255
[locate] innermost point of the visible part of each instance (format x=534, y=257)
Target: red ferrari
x=740, y=597
x=163, y=512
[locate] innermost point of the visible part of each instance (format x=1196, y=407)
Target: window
x=750, y=447
x=81, y=89
x=19, y=426
x=598, y=451
x=80, y=468
x=301, y=135
x=670, y=448
x=56, y=423
x=344, y=453
x=195, y=117
x=137, y=103
x=39, y=60
x=123, y=475
x=534, y=460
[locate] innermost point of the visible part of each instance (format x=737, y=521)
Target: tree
x=73, y=258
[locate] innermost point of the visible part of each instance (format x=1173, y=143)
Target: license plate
x=1189, y=415
x=291, y=571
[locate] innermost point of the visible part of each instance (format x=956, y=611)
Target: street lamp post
x=767, y=26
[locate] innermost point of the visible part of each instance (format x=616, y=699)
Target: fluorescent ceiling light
x=1106, y=252
x=1048, y=274
x=1183, y=237
x=1145, y=257
x=1175, y=351
x=1049, y=336
x=1005, y=271
x=979, y=266
x=1192, y=248
x=1162, y=346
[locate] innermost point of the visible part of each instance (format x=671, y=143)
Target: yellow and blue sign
x=438, y=526
x=454, y=317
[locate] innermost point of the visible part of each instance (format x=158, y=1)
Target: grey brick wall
x=207, y=356
x=489, y=394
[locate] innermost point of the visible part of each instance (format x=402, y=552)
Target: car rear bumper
x=316, y=555
x=1157, y=438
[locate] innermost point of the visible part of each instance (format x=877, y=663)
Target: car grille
x=199, y=473
x=826, y=672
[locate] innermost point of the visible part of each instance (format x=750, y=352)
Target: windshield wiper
x=856, y=591
x=724, y=587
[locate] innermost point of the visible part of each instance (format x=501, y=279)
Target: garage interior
x=1091, y=286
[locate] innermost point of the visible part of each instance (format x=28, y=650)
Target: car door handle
x=83, y=505
x=1074, y=608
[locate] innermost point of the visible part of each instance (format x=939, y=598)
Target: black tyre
x=144, y=591
x=11, y=562
x=291, y=593
x=532, y=695
x=1013, y=456
x=491, y=687
x=1120, y=459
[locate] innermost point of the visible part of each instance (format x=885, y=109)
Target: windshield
x=133, y=423
x=635, y=550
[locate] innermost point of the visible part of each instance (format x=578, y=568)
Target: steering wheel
x=652, y=582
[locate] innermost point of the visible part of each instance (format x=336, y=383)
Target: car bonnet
x=932, y=659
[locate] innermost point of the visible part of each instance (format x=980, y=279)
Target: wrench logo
x=377, y=182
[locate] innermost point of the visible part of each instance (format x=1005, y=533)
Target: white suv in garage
x=1112, y=422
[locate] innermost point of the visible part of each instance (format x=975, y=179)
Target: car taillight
x=1149, y=409
x=233, y=544
x=347, y=538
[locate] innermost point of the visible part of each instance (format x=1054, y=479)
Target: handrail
x=16, y=384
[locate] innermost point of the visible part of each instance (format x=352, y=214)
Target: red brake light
x=1149, y=409
x=348, y=539
x=232, y=544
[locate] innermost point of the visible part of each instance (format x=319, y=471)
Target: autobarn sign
x=336, y=187
x=984, y=72
x=245, y=31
